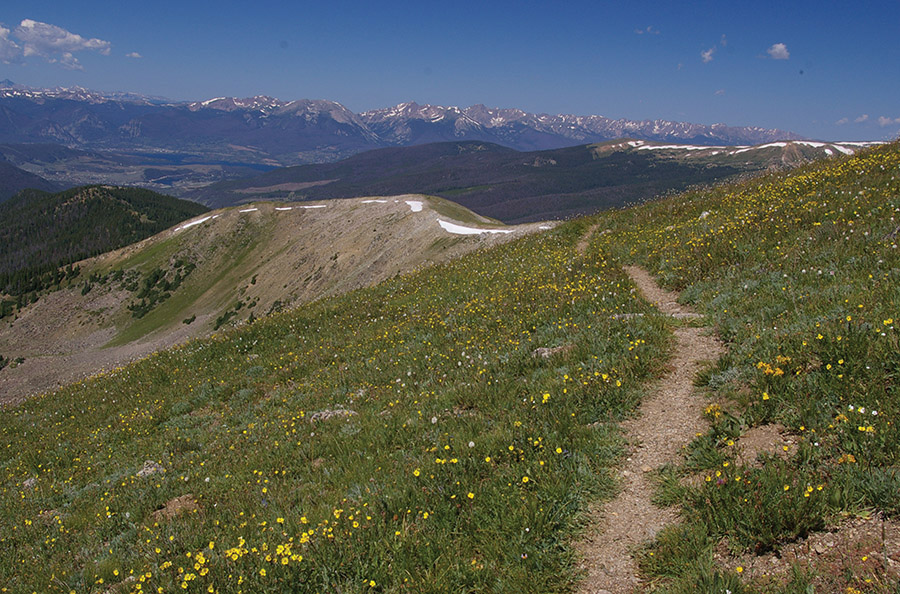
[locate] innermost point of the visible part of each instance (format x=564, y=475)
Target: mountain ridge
x=514, y=186
x=265, y=129
x=215, y=269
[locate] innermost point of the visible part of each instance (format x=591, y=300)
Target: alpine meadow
x=454, y=428
x=482, y=298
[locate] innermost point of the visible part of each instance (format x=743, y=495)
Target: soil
x=175, y=507
x=862, y=550
x=765, y=440
x=666, y=422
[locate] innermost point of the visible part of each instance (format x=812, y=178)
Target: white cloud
x=67, y=61
x=883, y=121
x=720, y=92
x=133, y=55
x=650, y=30
x=724, y=41
x=862, y=118
x=9, y=51
x=707, y=55
x=779, y=51
x=55, y=44
x=842, y=121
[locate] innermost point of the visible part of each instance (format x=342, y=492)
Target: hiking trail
x=667, y=420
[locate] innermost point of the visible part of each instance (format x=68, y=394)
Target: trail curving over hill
x=666, y=422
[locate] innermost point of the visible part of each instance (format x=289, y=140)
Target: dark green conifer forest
x=42, y=234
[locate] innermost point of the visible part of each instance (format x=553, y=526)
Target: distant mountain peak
x=76, y=93
x=509, y=125
x=270, y=130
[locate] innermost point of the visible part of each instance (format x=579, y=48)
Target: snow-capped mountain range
x=528, y=131
x=268, y=130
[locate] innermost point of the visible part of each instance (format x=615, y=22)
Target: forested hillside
x=40, y=232
x=14, y=180
x=489, y=179
x=517, y=187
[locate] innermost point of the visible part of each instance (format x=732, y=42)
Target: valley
x=76, y=136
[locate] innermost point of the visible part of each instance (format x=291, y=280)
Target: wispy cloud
x=720, y=92
x=9, y=51
x=885, y=121
x=779, y=51
x=857, y=120
x=724, y=41
x=707, y=55
x=134, y=55
x=650, y=30
x=52, y=43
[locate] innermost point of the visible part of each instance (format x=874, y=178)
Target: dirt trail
x=666, y=422
x=583, y=243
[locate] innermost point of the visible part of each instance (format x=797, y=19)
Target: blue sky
x=828, y=70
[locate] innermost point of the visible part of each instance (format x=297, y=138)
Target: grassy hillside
x=220, y=269
x=42, y=232
x=401, y=438
x=800, y=275
x=406, y=438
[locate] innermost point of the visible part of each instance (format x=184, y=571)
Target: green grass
x=236, y=251
x=454, y=211
x=467, y=465
x=799, y=273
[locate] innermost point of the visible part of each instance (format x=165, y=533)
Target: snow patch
x=844, y=149
x=761, y=146
x=371, y=201
x=686, y=147
x=197, y=222
x=284, y=208
x=460, y=230
x=829, y=152
x=861, y=142
x=248, y=210
x=314, y=206
x=415, y=205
